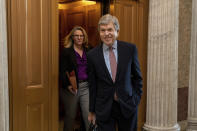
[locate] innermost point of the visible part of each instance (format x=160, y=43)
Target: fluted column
x=162, y=76
x=4, y=102
x=192, y=104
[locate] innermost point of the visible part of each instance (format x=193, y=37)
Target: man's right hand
x=92, y=117
x=72, y=90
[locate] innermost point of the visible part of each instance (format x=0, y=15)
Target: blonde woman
x=73, y=62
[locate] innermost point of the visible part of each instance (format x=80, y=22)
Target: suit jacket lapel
x=103, y=64
x=120, y=50
x=73, y=57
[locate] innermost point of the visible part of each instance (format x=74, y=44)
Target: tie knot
x=111, y=48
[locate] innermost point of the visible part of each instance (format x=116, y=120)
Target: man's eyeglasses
x=77, y=36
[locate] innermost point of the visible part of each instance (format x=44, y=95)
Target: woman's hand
x=72, y=90
x=92, y=117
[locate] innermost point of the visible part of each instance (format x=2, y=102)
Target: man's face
x=108, y=34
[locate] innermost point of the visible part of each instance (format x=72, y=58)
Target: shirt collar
x=114, y=46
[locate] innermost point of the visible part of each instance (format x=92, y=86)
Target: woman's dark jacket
x=68, y=63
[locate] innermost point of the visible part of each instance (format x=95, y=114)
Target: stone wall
x=185, y=14
x=4, y=102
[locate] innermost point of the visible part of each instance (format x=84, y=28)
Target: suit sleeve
x=136, y=77
x=64, y=67
x=92, y=84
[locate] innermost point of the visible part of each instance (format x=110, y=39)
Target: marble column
x=192, y=104
x=4, y=102
x=162, y=75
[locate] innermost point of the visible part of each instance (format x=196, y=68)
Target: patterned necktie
x=113, y=63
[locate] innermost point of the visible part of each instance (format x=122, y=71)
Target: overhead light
x=68, y=5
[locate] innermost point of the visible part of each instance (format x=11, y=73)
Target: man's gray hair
x=106, y=19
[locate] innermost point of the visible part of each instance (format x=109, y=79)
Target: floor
x=76, y=126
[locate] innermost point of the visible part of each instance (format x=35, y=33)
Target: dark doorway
x=85, y=14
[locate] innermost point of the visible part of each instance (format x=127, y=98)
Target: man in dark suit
x=115, y=81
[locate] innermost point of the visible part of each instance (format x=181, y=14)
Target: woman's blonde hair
x=69, y=38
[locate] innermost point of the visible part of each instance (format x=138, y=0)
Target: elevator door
x=33, y=65
x=133, y=18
